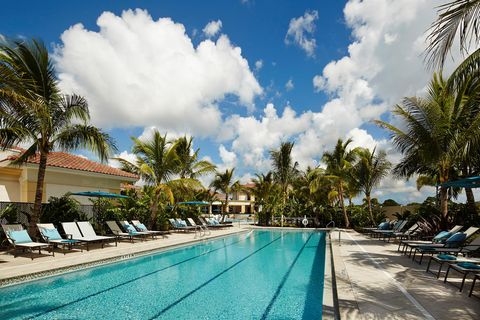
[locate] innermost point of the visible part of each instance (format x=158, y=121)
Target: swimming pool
x=259, y=275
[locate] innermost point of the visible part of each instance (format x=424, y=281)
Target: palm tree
x=224, y=182
x=459, y=17
x=263, y=192
x=339, y=166
x=284, y=169
x=34, y=111
x=442, y=130
x=368, y=171
x=188, y=164
x=157, y=164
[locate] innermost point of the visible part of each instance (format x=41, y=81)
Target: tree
x=339, y=166
x=459, y=17
x=34, y=111
x=264, y=191
x=188, y=164
x=157, y=164
x=368, y=171
x=284, y=169
x=441, y=130
x=224, y=182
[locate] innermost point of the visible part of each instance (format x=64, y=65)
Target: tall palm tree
x=157, y=164
x=368, y=171
x=263, y=192
x=339, y=165
x=455, y=18
x=284, y=169
x=441, y=130
x=223, y=182
x=189, y=166
x=34, y=111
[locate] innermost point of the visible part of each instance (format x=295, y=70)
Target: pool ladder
x=336, y=229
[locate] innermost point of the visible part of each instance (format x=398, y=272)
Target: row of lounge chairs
x=81, y=234
x=205, y=224
x=452, y=248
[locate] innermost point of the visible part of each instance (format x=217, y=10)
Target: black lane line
x=211, y=279
x=282, y=283
x=132, y=280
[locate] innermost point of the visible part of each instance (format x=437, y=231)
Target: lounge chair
x=215, y=222
x=442, y=259
x=450, y=246
x=141, y=227
x=405, y=244
x=415, y=229
x=180, y=226
x=83, y=231
x=131, y=235
x=475, y=278
x=385, y=225
x=201, y=227
x=204, y=222
x=50, y=234
x=465, y=268
x=20, y=239
x=398, y=227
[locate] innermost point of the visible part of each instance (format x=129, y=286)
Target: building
x=242, y=202
x=65, y=173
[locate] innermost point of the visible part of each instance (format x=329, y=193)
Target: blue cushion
x=446, y=257
x=441, y=236
x=182, y=223
x=456, y=240
x=384, y=226
x=51, y=234
x=20, y=236
x=141, y=227
x=469, y=265
x=129, y=228
x=426, y=248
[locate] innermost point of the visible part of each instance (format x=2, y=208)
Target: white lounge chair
x=83, y=231
x=50, y=234
x=201, y=227
x=20, y=239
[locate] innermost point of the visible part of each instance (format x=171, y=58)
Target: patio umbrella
x=194, y=203
x=99, y=194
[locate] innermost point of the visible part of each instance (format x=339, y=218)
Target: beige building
x=65, y=173
x=242, y=202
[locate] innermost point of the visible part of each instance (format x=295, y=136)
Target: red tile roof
x=70, y=161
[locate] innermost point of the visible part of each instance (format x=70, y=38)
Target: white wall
x=58, y=190
x=9, y=190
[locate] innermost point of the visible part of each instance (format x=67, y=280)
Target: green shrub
x=61, y=209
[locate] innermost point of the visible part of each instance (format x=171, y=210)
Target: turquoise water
x=260, y=275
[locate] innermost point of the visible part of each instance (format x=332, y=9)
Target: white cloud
x=289, y=85
x=258, y=64
x=229, y=158
x=300, y=31
x=136, y=71
x=130, y=157
x=212, y=28
x=318, y=83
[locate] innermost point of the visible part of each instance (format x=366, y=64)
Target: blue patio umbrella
x=99, y=194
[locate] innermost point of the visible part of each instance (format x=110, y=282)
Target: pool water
x=259, y=275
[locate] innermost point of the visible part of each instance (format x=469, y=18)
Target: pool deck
x=375, y=281
x=24, y=268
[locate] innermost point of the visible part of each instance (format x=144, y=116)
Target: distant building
x=65, y=173
x=242, y=202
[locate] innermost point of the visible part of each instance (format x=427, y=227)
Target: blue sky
x=265, y=72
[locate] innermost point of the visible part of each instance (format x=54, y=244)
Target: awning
x=470, y=182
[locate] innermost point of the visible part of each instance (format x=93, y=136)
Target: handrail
x=331, y=222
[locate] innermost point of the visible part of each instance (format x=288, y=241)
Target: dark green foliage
x=10, y=213
x=61, y=209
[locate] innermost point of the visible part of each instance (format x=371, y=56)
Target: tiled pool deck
x=376, y=282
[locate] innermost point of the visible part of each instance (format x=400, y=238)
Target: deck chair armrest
x=69, y=236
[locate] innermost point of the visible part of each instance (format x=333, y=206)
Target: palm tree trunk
x=226, y=206
x=472, y=208
x=369, y=202
x=444, y=204
x=154, y=213
x=342, y=202
x=37, y=206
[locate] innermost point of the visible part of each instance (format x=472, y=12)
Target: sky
x=240, y=76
